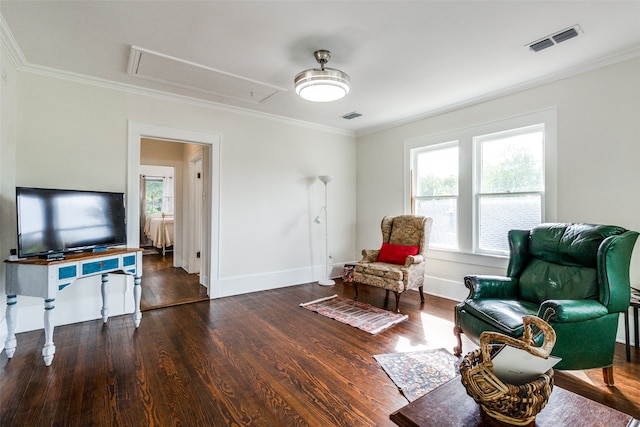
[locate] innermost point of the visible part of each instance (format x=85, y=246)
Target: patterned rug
x=418, y=372
x=357, y=314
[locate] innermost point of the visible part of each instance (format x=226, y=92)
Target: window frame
x=414, y=180
x=477, y=142
x=467, y=215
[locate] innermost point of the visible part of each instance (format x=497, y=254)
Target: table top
x=70, y=257
x=450, y=405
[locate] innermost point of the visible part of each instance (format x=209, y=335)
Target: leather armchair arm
x=413, y=259
x=614, y=258
x=370, y=255
x=481, y=286
x=569, y=311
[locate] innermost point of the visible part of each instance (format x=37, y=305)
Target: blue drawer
x=98, y=266
x=67, y=272
x=128, y=260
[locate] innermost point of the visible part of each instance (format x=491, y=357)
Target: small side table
x=635, y=305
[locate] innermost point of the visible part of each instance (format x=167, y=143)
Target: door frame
x=194, y=245
x=210, y=271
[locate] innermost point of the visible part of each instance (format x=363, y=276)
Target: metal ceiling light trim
x=323, y=84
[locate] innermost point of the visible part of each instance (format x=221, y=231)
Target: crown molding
x=601, y=62
x=19, y=61
x=10, y=46
x=17, y=58
x=171, y=97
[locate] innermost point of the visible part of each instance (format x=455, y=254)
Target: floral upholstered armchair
x=399, y=265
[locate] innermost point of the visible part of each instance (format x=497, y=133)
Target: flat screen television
x=52, y=222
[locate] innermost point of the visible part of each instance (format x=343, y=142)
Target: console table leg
x=49, y=348
x=103, y=289
x=137, y=293
x=11, y=342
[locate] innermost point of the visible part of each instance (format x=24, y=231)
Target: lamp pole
x=327, y=281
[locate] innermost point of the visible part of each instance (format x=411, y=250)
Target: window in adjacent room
x=154, y=194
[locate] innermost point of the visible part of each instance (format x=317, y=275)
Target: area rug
x=357, y=314
x=416, y=373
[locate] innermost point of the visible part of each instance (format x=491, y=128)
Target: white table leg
x=49, y=348
x=137, y=294
x=103, y=289
x=11, y=343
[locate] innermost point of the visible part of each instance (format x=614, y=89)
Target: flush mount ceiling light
x=323, y=84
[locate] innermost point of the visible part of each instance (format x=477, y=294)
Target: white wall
x=72, y=135
x=8, y=94
x=598, y=152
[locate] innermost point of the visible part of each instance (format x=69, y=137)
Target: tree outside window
x=436, y=195
x=154, y=195
x=510, y=185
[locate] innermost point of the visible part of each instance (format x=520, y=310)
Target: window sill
x=495, y=261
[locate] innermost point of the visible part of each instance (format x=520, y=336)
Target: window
x=510, y=185
x=480, y=182
x=153, y=195
x=436, y=191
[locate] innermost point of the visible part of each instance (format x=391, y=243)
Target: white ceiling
x=406, y=59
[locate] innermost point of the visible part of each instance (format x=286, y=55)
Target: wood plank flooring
x=248, y=360
x=164, y=285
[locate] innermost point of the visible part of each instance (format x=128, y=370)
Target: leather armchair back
x=572, y=261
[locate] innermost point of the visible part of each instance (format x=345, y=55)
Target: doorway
x=173, y=266
x=170, y=215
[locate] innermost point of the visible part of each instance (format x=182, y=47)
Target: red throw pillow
x=396, y=254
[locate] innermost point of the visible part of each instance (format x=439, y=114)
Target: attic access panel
x=177, y=72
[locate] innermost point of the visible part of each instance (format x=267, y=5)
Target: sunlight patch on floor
x=438, y=333
x=582, y=376
x=404, y=345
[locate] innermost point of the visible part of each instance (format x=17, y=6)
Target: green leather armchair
x=573, y=276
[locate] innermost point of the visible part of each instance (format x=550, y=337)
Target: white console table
x=44, y=279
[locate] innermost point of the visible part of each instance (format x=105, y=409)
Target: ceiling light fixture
x=323, y=84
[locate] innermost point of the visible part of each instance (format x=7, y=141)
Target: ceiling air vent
x=565, y=35
x=555, y=38
x=352, y=115
x=542, y=44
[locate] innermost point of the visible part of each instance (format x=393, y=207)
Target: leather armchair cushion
x=542, y=280
x=503, y=314
x=570, y=244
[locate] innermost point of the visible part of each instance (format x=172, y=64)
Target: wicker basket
x=509, y=403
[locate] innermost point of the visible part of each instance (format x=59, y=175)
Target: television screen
x=52, y=221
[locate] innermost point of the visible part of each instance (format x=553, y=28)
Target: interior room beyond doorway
x=171, y=260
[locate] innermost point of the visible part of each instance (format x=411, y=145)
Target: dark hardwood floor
x=164, y=285
x=256, y=359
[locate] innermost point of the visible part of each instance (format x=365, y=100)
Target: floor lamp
x=326, y=281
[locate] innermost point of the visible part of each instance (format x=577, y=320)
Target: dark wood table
x=450, y=405
x=634, y=305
